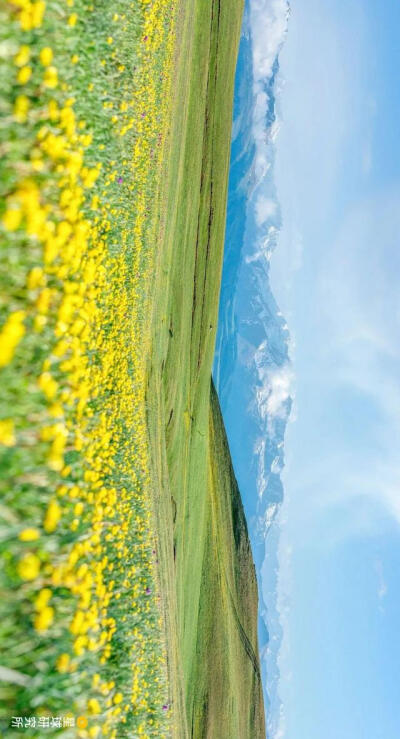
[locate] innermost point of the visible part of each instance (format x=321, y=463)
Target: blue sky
x=336, y=275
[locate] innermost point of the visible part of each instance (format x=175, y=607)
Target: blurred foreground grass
x=84, y=94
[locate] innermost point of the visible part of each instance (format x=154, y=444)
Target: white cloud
x=276, y=386
x=268, y=25
x=280, y=388
x=265, y=208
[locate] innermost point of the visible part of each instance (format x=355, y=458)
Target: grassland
x=84, y=96
x=206, y=570
x=128, y=593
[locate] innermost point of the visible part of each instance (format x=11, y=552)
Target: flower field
x=84, y=96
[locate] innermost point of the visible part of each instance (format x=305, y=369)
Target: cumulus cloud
x=265, y=208
x=280, y=386
x=276, y=389
x=268, y=25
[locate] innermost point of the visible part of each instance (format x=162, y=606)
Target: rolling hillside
x=207, y=575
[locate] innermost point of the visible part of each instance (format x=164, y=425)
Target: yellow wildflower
x=25, y=20
x=48, y=385
x=29, y=534
x=96, y=680
x=22, y=57
x=42, y=599
x=43, y=301
x=63, y=662
x=53, y=109
x=39, y=323
x=78, y=509
x=10, y=336
x=7, y=435
x=46, y=56
x=37, y=10
x=56, y=410
x=53, y=515
x=24, y=75
x=29, y=567
x=36, y=278
x=44, y=619
x=21, y=107
x=93, y=706
x=50, y=78
x=80, y=644
x=12, y=218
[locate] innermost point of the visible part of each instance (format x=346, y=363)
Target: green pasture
x=206, y=571
x=198, y=548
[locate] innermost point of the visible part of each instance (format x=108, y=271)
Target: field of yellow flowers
x=84, y=91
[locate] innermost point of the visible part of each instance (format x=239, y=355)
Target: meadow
x=84, y=110
x=128, y=592
x=205, y=563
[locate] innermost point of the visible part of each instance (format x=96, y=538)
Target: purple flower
x=165, y=707
x=120, y=179
x=145, y=38
x=148, y=591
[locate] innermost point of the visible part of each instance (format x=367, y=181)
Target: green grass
x=206, y=570
x=73, y=440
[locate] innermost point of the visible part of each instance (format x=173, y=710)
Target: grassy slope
x=207, y=574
